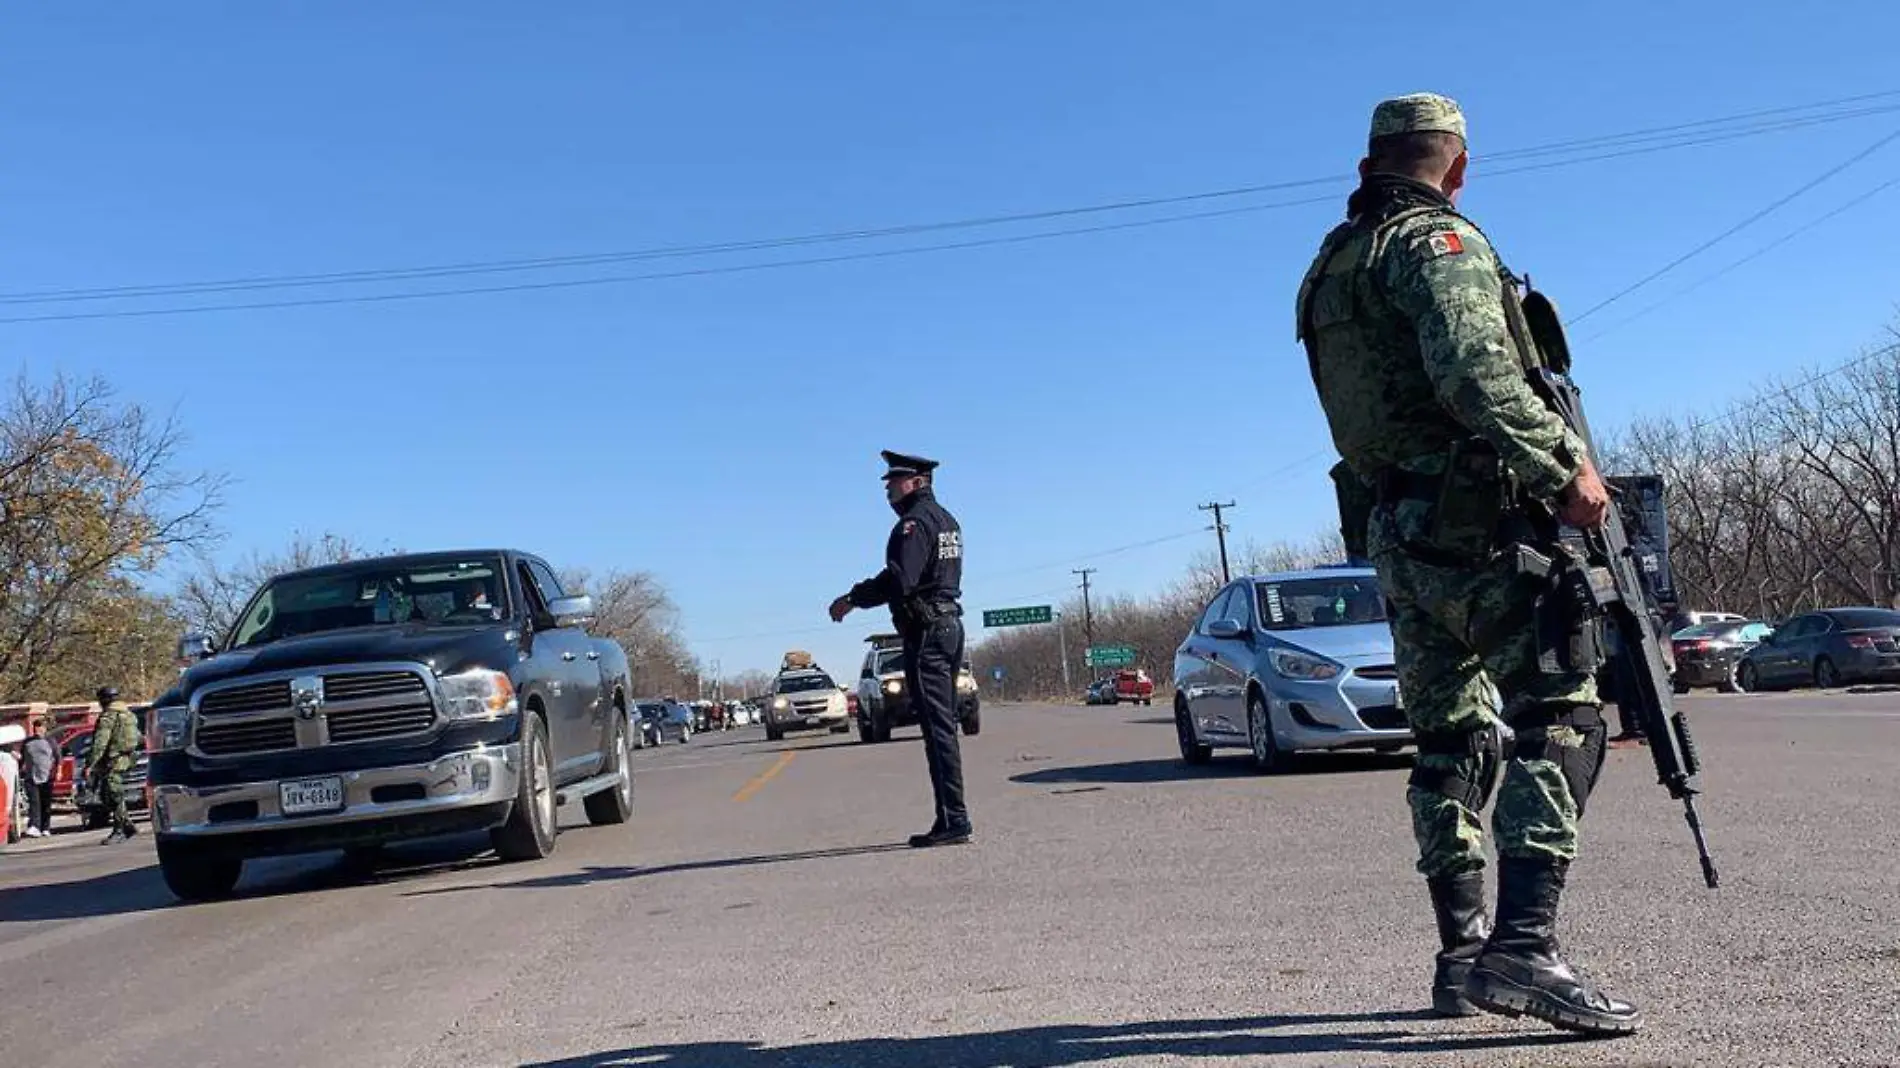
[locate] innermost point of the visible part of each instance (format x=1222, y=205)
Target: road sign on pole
x=998, y=674
x=1110, y=655
x=1017, y=617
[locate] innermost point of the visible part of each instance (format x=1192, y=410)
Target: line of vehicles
x=1303, y=661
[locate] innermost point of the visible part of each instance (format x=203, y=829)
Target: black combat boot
x=1458, y=905
x=1520, y=973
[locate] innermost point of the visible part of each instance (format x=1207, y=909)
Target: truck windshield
x=1321, y=602
x=374, y=593
x=890, y=661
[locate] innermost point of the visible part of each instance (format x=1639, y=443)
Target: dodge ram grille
x=357, y=706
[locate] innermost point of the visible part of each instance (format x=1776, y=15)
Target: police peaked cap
x=902, y=466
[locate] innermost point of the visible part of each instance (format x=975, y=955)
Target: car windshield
x=1863, y=618
x=375, y=593
x=651, y=709
x=1320, y=602
x=805, y=683
x=1724, y=629
x=890, y=661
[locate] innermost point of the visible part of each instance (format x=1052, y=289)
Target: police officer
x=115, y=746
x=922, y=582
x=1403, y=317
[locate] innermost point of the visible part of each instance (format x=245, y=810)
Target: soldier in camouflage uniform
x=1444, y=444
x=115, y=746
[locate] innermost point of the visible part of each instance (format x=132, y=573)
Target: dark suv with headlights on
x=401, y=697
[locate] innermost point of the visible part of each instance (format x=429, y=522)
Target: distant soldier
x=922, y=582
x=1402, y=315
x=115, y=748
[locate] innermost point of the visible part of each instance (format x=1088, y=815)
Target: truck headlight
x=475, y=695
x=167, y=728
x=781, y=703
x=1295, y=665
x=894, y=687
x=966, y=684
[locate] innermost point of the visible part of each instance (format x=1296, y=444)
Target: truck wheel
x=864, y=731
x=529, y=832
x=880, y=728
x=615, y=805
x=973, y=723
x=195, y=874
x=773, y=734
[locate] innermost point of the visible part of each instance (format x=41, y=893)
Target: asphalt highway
x=1116, y=908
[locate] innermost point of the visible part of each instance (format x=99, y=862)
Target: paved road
x=1117, y=908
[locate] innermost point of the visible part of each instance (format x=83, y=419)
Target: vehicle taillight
x=1860, y=641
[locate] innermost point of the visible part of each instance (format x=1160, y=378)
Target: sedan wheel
x=1748, y=678
x=1192, y=752
x=1268, y=757
x=1825, y=675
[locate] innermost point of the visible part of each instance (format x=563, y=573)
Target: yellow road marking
x=758, y=781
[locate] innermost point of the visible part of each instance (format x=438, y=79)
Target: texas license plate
x=301, y=797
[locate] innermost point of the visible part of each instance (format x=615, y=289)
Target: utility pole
x=1062, y=644
x=1088, y=616
x=1220, y=533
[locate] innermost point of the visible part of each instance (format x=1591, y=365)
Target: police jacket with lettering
x=923, y=560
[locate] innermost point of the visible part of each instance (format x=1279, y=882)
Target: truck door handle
x=567, y=656
x=591, y=655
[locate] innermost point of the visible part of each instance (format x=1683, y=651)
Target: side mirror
x=195, y=646
x=572, y=611
x=1226, y=629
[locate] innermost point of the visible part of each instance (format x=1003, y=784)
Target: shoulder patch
x=910, y=527
x=1439, y=243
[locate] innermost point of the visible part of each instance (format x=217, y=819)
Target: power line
x=1757, y=216
x=1751, y=128
x=1668, y=136
x=1751, y=257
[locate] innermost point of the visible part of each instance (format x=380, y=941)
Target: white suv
x=806, y=698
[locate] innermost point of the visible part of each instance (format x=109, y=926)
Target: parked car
x=1291, y=661
x=1708, y=654
x=882, y=702
x=1101, y=691
x=1134, y=686
x=1828, y=648
x=381, y=699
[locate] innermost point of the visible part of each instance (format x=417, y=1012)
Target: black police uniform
x=922, y=582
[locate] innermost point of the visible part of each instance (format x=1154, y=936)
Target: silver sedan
x=1286, y=662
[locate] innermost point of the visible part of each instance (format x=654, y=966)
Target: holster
x=1467, y=505
x=1567, y=611
x=1356, y=502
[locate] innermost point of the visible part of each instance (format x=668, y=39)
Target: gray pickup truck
x=401, y=697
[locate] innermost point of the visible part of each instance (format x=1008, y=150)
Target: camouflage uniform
x=1444, y=446
x=1412, y=358
x=115, y=741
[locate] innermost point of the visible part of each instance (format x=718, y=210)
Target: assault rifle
x=1613, y=584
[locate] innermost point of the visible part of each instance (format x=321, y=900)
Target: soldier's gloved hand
x=1585, y=503
x=840, y=608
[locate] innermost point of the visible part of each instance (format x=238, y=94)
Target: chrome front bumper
x=460, y=780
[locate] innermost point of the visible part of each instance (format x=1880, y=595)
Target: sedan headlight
x=894, y=687
x=1296, y=665
x=474, y=695
x=167, y=728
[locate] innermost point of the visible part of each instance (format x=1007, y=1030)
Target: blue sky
x=722, y=431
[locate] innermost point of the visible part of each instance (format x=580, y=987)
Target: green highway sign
x=1017, y=617
x=1111, y=655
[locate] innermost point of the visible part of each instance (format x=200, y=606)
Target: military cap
x=107, y=694
x=1416, y=113
x=902, y=466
